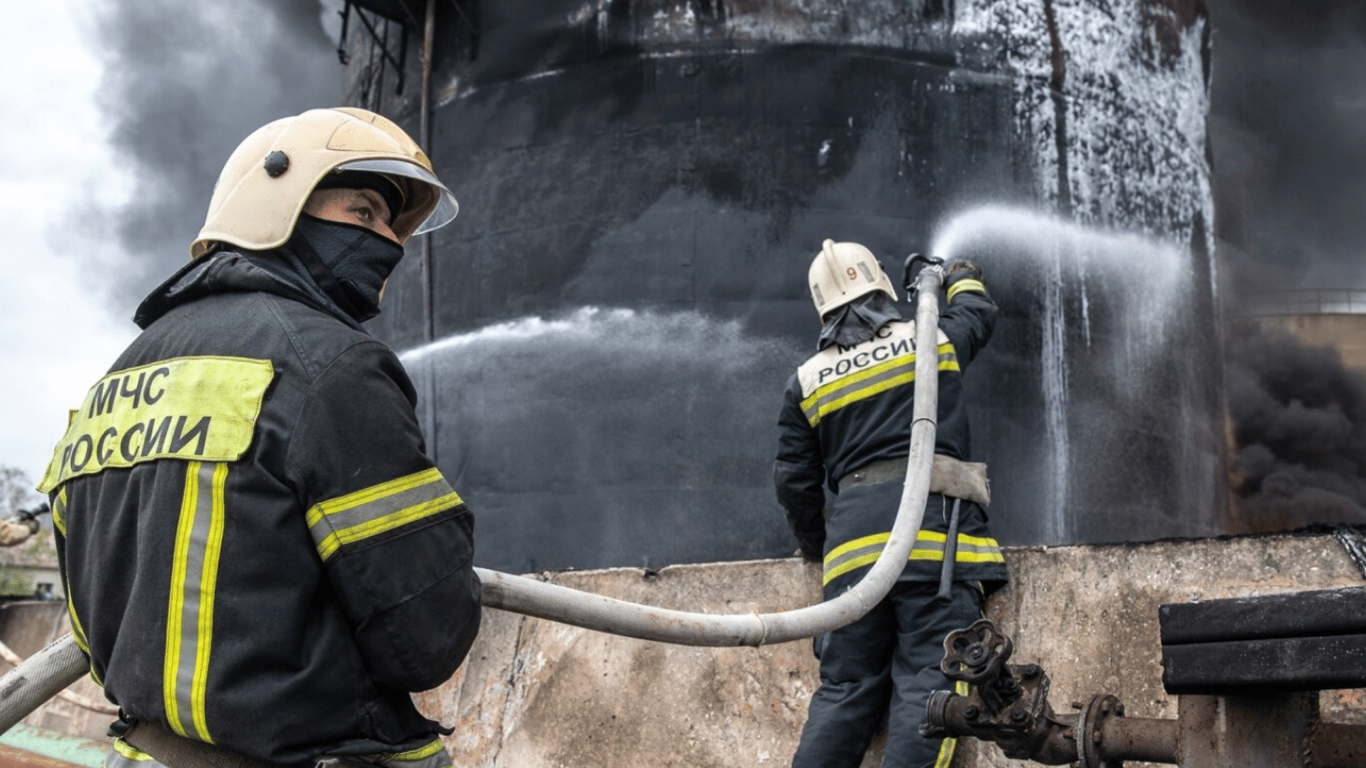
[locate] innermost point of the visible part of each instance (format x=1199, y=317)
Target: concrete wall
x=535, y=694
x=1344, y=332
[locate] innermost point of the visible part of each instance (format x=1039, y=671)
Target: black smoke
x=1299, y=420
x=1288, y=140
x=183, y=84
x=1288, y=137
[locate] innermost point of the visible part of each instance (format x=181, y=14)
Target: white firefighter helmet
x=842, y=272
x=270, y=175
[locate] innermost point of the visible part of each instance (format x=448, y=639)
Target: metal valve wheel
x=977, y=654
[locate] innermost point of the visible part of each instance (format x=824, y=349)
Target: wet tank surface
x=602, y=337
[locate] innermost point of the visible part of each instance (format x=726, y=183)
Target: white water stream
x=1137, y=281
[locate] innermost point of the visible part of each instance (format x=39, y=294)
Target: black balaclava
x=857, y=321
x=354, y=262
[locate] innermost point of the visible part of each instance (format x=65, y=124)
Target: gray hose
x=585, y=609
x=46, y=673
x=40, y=677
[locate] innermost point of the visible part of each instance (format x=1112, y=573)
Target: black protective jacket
x=256, y=550
x=848, y=407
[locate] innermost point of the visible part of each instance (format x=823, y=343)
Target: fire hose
x=46, y=673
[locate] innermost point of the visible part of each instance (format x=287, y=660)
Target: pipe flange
x=1089, y=724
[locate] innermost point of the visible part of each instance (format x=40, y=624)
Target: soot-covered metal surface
x=603, y=335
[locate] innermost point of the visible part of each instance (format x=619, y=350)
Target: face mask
x=360, y=261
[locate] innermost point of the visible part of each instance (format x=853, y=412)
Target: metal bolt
x=972, y=712
x=1030, y=671
x=276, y=163
x=1018, y=716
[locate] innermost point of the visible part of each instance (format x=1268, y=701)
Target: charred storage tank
x=602, y=337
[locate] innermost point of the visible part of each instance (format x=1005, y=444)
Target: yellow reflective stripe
x=946, y=750
x=971, y=285
x=59, y=511
x=929, y=546
x=421, y=753
x=431, y=755
x=129, y=751
x=869, y=382
x=860, y=386
x=189, y=618
x=77, y=630
x=380, y=508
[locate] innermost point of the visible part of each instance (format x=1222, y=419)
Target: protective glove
x=961, y=270
x=811, y=551
x=811, y=543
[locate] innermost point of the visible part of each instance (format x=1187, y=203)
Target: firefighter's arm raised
x=970, y=316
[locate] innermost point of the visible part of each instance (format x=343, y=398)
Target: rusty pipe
x=1150, y=740
x=1008, y=704
x=1021, y=734
x=1095, y=738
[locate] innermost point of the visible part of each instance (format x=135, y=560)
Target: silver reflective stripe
x=873, y=381
x=378, y=509
x=189, y=617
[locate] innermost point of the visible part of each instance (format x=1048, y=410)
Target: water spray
x=24, y=688
x=1077, y=273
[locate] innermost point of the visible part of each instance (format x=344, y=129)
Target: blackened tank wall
x=603, y=335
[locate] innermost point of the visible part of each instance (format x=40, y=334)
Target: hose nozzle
x=910, y=271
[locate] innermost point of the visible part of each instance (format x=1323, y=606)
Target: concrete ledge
x=538, y=694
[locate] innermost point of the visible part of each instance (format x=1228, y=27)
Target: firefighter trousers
x=882, y=668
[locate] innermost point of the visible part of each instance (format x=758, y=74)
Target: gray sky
x=59, y=327
x=121, y=114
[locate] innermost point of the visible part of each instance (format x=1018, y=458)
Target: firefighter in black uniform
x=260, y=560
x=846, y=423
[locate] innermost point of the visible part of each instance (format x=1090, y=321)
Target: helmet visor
x=445, y=207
